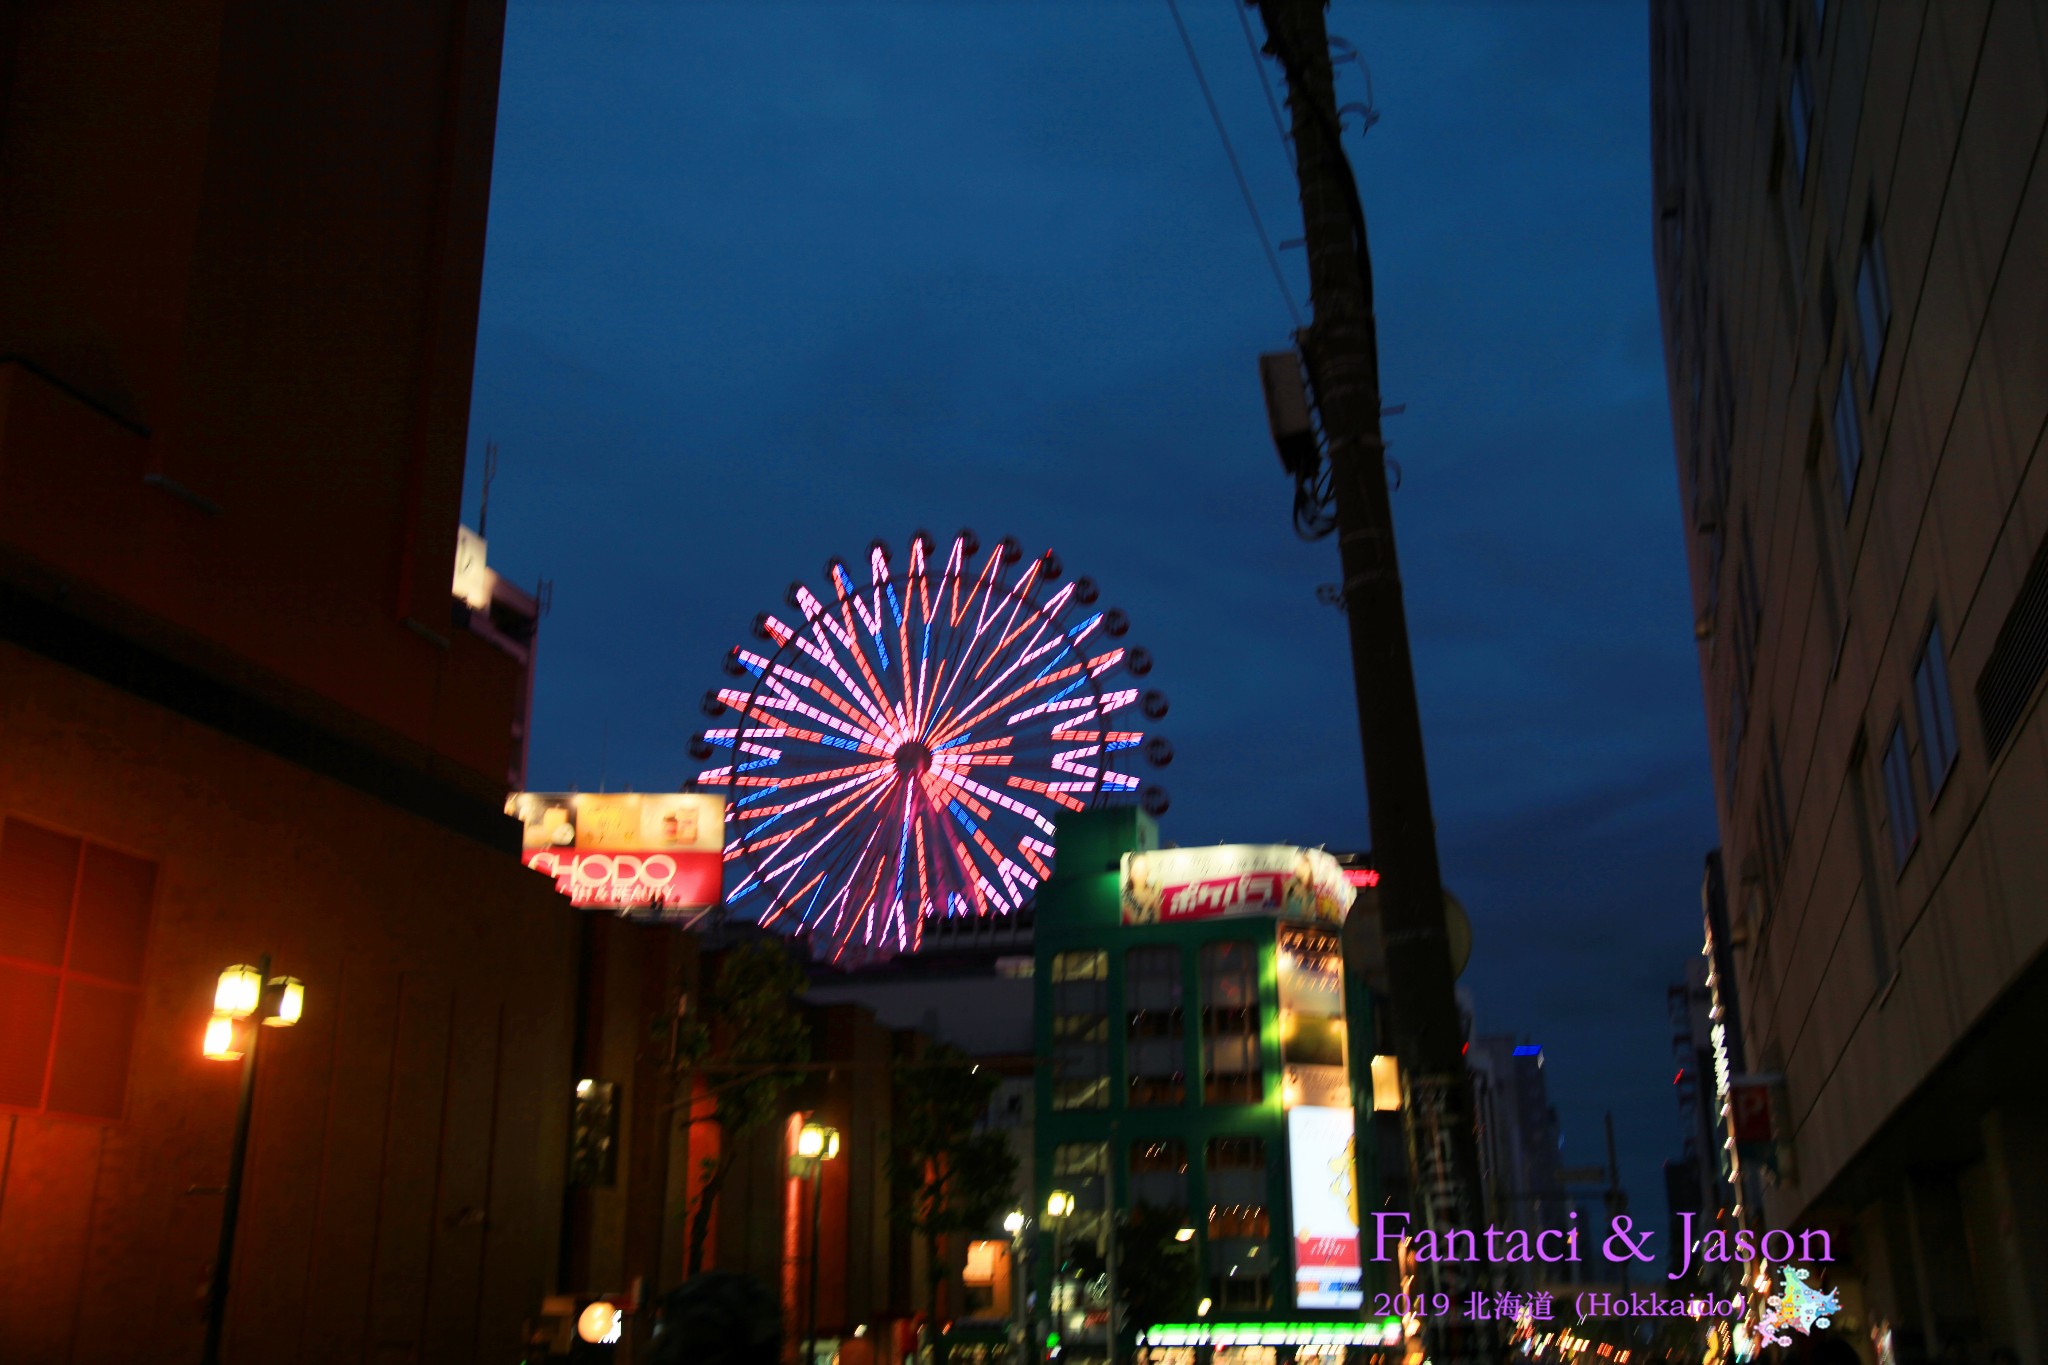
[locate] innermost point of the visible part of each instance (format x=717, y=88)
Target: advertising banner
x=626, y=850
x=1319, y=1163
x=1234, y=879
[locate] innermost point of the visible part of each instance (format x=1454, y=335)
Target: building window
x=1731, y=745
x=1776, y=816
x=1155, y=1051
x=1873, y=298
x=1901, y=812
x=1848, y=438
x=1080, y=1030
x=1159, y=1174
x=74, y=921
x=594, y=1134
x=1240, y=1229
x=1937, y=716
x=1802, y=113
x=1749, y=611
x=1082, y=1170
x=1230, y=1024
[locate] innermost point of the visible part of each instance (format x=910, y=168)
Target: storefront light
x=1386, y=1083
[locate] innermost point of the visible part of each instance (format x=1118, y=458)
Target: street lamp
x=1058, y=1205
x=241, y=994
x=1014, y=1223
x=816, y=1144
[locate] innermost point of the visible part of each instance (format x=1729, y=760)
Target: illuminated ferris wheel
x=900, y=752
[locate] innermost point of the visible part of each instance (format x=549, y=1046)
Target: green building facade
x=1173, y=1058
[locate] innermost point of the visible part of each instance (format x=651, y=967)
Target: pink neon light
x=861, y=836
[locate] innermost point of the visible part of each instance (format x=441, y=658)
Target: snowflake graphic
x=1801, y=1308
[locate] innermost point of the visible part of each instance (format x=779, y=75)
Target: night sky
x=768, y=280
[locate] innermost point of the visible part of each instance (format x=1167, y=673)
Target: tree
x=1158, y=1277
x=948, y=1173
x=750, y=1044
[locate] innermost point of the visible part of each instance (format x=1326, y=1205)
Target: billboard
x=626, y=850
x=1171, y=884
x=1327, y=1270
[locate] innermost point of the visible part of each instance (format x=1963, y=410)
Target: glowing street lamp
x=1184, y=1235
x=816, y=1144
x=242, y=992
x=1013, y=1222
x=1058, y=1205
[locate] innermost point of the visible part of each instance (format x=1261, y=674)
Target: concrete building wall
x=1855, y=477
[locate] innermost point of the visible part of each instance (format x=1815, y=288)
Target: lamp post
x=816, y=1144
x=1058, y=1205
x=1016, y=1224
x=242, y=994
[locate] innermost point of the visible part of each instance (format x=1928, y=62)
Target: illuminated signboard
x=1171, y=884
x=627, y=850
x=1327, y=1271
x=1324, y=1334
x=1362, y=876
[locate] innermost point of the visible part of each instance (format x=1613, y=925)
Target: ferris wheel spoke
x=1044, y=678
x=899, y=754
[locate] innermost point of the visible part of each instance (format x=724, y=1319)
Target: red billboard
x=626, y=850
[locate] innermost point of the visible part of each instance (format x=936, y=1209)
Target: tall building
x=1697, y=1183
x=244, y=711
x=1518, y=1135
x=1211, y=1060
x=1851, y=226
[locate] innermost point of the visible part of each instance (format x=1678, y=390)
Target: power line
x=1251, y=45
x=1243, y=186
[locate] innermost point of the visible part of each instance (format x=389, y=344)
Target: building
x=1850, y=223
x=242, y=710
x=969, y=987
x=1696, y=1183
x=1209, y=1058
x=1518, y=1137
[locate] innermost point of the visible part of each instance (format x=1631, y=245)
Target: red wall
x=241, y=247
x=405, y=1169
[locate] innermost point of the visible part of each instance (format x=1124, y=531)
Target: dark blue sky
x=767, y=280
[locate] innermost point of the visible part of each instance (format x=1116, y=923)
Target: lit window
x=1239, y=1227
x=1230, y=1024
x=1903, y=815
x=1155, y=1048
x=1159, y=1174
x=1937, y=715
x=1082, y=1170
x=1080, y=1030
x=1873, y=299
x=1848, y=438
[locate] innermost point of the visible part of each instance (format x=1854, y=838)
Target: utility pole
x=1341, y=353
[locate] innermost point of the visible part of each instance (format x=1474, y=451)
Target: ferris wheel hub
x=913, y=758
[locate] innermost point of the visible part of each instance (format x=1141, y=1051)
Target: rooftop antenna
x=483, y=514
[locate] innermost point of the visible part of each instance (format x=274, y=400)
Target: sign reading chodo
x=626, y=850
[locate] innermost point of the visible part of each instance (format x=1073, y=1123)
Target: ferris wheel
x=900, y=751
